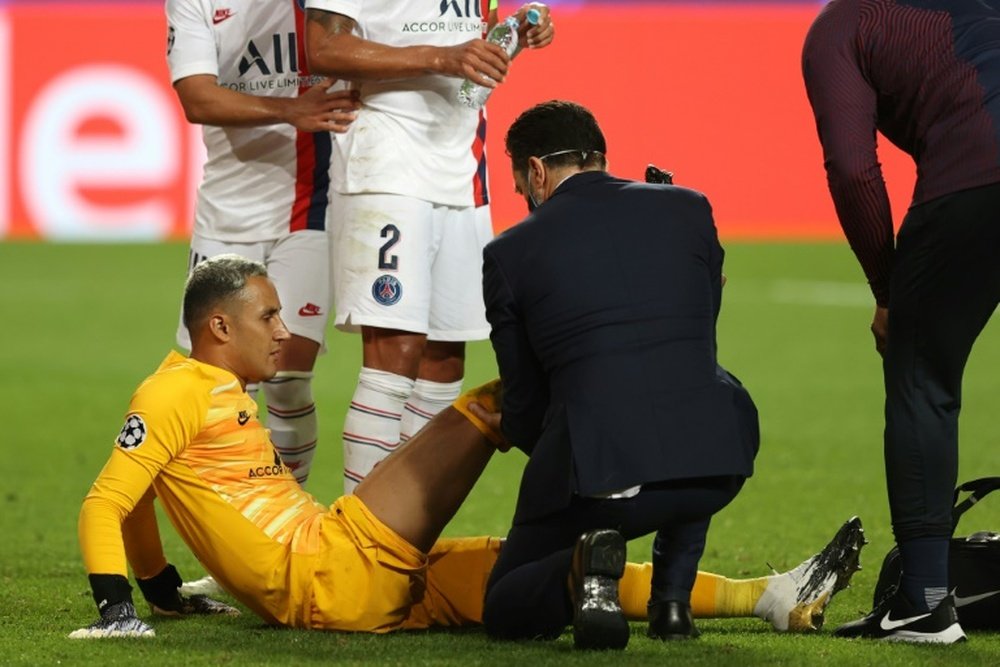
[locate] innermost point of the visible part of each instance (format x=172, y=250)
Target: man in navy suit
x=603, y=304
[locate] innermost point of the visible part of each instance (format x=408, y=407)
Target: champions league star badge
x=387, y=290
x=133, y=433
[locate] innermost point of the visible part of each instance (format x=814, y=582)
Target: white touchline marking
x=822, y=293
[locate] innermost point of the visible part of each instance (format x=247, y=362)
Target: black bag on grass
x=973, y=566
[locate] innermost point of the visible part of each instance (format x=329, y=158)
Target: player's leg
x=793, y=601
x=457, y=313
x=418, y=488
x=382, y=250
x=677, y=548
x=457, y=571
x=298, y=264
x=945, y=286
x=438, y=384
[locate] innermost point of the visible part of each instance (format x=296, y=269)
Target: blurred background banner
x=94, y=146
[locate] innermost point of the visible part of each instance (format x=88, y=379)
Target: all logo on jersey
x=285, y=56
x=455, y=16
x=133, y=433
x=387, y=290
x=243, y=417
x=462, y=8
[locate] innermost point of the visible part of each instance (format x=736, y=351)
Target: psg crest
x=133, y=433
x=387, y=290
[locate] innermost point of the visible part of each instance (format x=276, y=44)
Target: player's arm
x=118, y=518
x=114, y=496
x=532, y=36
x=193, y=59
x=334, y=49
x=845, y=107
x=528, y=36
x=205, y=102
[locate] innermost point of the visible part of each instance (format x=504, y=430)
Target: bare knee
x=298, y=354
x=392, y=350
x=443, y=361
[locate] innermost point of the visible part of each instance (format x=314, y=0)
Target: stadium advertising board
x=95, y=147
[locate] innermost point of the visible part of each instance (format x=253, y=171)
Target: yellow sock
x=489, y=396
x=713, y=596
x=720, y=597
x=633, y=590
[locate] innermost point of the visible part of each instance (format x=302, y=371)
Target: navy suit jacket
x=603, y=305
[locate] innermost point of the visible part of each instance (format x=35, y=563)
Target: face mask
x=532, y=202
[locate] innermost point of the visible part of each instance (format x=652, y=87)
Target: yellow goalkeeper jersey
x=192, y=436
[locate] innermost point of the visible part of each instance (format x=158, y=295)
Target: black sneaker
x=895, y=619
x=598, y=564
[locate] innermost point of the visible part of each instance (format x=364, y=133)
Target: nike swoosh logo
x=888, y=624
x=970, y=599
x=309, y=310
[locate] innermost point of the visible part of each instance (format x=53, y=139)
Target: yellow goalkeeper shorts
x=369, y=579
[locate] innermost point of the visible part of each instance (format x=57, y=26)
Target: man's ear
x=219, y=325
x=536, y=172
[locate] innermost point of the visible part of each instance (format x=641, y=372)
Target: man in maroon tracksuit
x=926, y=74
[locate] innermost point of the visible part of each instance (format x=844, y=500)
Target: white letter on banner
x=56, y=163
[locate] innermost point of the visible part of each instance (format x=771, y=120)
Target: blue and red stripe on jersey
x=480, y=187
x=312, y=154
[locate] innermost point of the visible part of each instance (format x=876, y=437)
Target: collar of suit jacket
x=579, y=180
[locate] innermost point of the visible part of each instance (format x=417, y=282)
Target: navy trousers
x=945, y=286
x=527, y=595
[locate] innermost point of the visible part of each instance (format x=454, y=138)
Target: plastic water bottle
x=504, y=34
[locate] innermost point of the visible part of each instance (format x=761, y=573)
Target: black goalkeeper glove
x=163, y=594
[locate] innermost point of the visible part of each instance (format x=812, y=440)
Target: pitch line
x=822, y=293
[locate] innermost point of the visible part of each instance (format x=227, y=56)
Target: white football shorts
x=298, y=265
x=408, y=264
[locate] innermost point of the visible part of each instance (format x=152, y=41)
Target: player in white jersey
x=407, y=176
x=239, y=70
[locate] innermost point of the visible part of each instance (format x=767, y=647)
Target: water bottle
x=503, y=34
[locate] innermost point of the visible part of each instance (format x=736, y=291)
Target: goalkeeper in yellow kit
x=373, y=561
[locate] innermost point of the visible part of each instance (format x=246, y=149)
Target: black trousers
x=945, y=286
x=527, y=594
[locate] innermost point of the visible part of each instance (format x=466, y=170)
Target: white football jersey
x=412, y=137
x=260, y=182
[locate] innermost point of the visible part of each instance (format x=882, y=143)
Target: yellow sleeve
x=494, y=5
x=141, y=534
x=164, y=416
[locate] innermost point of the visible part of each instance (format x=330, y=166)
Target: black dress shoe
x=598, y=564
x=671, y=619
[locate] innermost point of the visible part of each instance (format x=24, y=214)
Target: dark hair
x=554, y=126
x=215, y=280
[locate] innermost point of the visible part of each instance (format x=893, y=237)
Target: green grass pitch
x=83, y=325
